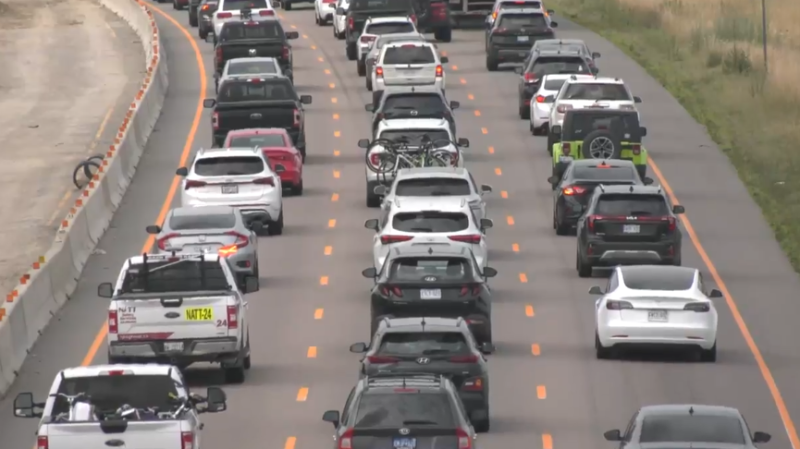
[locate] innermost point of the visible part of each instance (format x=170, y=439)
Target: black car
x=268, y=102
x=628, y=225
x=251, y=38
x=573, y=191
x=361, y=10
x=431, y=280
x=418, y=102
x=512, y=34
x=685, y=426
x=200, y=15
x=441, y=346
x=549, y=61
x=420, y=411
x=433, y=16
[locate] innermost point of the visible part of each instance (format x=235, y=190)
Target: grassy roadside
x=720, y=82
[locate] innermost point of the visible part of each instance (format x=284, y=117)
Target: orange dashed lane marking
x=535, y=349
x=529, y=311
x=497, y=171
x=547, y=441
x=332, y=223
x=504, y=194
x=515, y=248
x=328, y=250
x=319, y=313
x=335, y=197
x=491, y=150
x=523, y=278
x=484, y=130
x=323, y=280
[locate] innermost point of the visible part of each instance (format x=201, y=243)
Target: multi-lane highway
x=548, y=391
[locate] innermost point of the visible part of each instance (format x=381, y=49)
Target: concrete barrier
x=51, y=280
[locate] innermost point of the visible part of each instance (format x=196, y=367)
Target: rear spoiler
x=171, y=295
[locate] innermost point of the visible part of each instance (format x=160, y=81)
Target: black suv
x=628, y=225
x=549, y=61
x=511, y=36
x=420, y=411
x=441, y=346
x=418, y=102
x=430, y=280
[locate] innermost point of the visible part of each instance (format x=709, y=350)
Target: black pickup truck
x=361, y=10
x=252, y=38
x=267, y=102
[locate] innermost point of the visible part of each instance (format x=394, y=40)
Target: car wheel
x=561, y=228
x=369, y=83
x=193, y=21
x=491, y=64
x=584, y=267
x=234, y=375
x=550, y=142
x=524, y=113
x=361, y=68
x=202, y=33
x=256, y=271
x=276, y=227
x=601, y=352
x=443, y=34
x=709, y=355
x=532, y=129
x=316, y=18
x=351, y=52
x=481, y=426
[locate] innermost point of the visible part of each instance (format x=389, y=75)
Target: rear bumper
x=622, y=334
x=475, y=400
x=290, y=178
x=507, y=54
x=201, y=350
x=600, y=253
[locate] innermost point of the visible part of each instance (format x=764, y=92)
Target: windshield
x=433, y=187
x=604, y=173
x=625, y=205
x=389, y=28
x=416, y=105
x=229, y=166
x=361, y=5
x=430, y=222
x=205, y=221
x=411, y=409
x=595, y=91
x=272, y=90
x=259, y=140
x=236, y=5
x=250, y=30
x=184, y=275
x=547, y=65
x=414, y=137
x=108, y=393
x=409, y=54
x=517, y=21
x=423, y=343
x=444, y=269
x=692, y=429
x=252, y=67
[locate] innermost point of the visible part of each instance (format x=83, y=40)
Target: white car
x=323, y=11
x=656, y=305
x=230, y=11
x=248, y=68
x=377, y=45
x=413, y=130
x=340, y=18
x=591, y=92
x=79, y=409
x=429, y=182
x=236, y=177
x=375, y=27
x=541, y=106
x=428, y=221
x=409, y=63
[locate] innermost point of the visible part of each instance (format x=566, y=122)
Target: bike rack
x=86, y=165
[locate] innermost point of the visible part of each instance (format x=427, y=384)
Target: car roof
x=254, y=76
x=201, y=211
x=432, y=172
x=520, y=11
x=412, y=204
x=257, y=131
x=423, y=324
x=414, y=42
x=632, y=189
x=412, y=123
x=660, y=274
x=390, y=19
x=411, y=89
x=228, y=152
x=588, y=79
x=679, y=409
x=140, y=369
x=558, y=51
x=564, y=76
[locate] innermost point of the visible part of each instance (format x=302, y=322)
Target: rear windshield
x=108, y=393
x=390, y=28
x=252, y=67
x=433, y=187
x=520, y=4
x=517, y=21
x=362, y=5
x=591, y=91
x=424, y=104
x=229, y=166
x=272, y=90
x=250, y=30
x=414, y=137
x=692, y=428
x=442, y=269
x=260, y=140
x=393, y=410
x=205, y=221
x=623, y=205
x=409, y=54
x=604, y=174
x=185, y=275
x=553, y=84
x=584, y=122
x=423, y=343
x=430, y=222
x=648, y=278
x=392, y=39
x=547, y=65
x=236, y=5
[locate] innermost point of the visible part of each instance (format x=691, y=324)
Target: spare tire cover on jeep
x=601, y=144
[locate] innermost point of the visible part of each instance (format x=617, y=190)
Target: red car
x=283, y=157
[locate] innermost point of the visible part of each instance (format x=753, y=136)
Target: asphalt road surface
x=547, y=389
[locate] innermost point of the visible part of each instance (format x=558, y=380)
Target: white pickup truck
x=119, y=406
x=179, y=309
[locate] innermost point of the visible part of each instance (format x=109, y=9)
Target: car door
x=481, y=202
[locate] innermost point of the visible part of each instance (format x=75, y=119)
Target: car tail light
x=187, y=440
x=162, y=242
x=229, y=250
x=328, y=1
x=627, y=107
x=563, y=108
x=531, y=78
x=233, y=317
x=204, y=8
x=224, y=15
x=42, y=442
x=379, y=359
x=389, y=290
x=346, y=440
x=389, y=239
x=697, y=307
x=471, y=238
x=474, y=290
x=573, y=190
x=494, y=15
x=464, y=440
x=365, y=39
x=296, y=122
x=113, y=324
x=672, y=224
x=539, y=99
x=380, y=116
x=215, y=121
x=379, y=72
x=351, y=23
x=266, y=12
x=438, y=10
x=375, y=159
x=268, y=181
x=285, y=53
x=439, y=71
x=613, y=304
x=591, y=221
x=566, y=147
x=191, y=183
x=472, y=358
x=413, y=18
x=637, y=149
x=475, y=383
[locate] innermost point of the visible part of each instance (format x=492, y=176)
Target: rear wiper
x=636, y=213
x=435, y=351
x=411, y=422
x=441, y=193
x=422, y=229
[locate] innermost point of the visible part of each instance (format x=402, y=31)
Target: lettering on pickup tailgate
x=200, y=314
x=222, y=323
x=144, y=337
x=126, y=315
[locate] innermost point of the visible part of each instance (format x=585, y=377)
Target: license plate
x=659, y=316
x=230, y=188
x=430, y=294
x=523, y=38
x=404, y=443
x=200, y=314
x=173, y=346
x=630, y=229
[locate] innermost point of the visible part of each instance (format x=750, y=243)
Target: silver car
x=377, y=44
x=211, y=229
x=248, y=68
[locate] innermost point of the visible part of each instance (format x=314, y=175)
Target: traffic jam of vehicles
x=431, y=298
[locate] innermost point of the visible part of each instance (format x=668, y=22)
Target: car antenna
x=430, y=250
x=423, y=324
x=631, y=189
x=691, y=410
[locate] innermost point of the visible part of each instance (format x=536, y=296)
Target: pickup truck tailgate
x=251, y=48
x=135, y=435
x=172, y=317
x=244, y=115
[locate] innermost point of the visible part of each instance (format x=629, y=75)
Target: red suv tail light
x=474, y=290
x=162, y=242
x=192, y=183
x=380, y=359
x=268, y=181
x=439, y=71
x=613, y=304
x=233, y=317
x=573, y=190
x=475, y=383
x=468, y=359
x=215, y=121
x=351, y=24
x=531, y=78
x=346, y=440
x=590, y=221
x=285, y=53
x=113, y=328
x=187, y=440
x=472, y=238
x=224, y=15
x=266, y=13
x=379, y=72
x=389, y=290
x=464, y=440
x=42, y=442
x=389, y=239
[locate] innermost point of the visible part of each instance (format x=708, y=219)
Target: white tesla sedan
x=658, y=305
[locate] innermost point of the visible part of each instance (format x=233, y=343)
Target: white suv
x=231, y=11
x=379, y=26
x=236, y=177
x=591, y=92
x=409, y=63
x=542, y=101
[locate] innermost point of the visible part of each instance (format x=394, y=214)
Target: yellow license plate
x=200, y=314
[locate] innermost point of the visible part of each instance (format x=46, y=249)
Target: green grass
x=754, y=125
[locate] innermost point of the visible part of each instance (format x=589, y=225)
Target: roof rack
x=405, y=380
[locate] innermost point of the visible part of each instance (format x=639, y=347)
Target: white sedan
x=323, y=11
x=656, y=305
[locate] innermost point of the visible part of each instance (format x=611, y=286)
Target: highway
x=547, y=389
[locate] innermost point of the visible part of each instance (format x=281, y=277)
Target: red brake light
x=379, y=72
x=365, y=39
x=474, y=384
x=697, y=307
x=464, y=440
x=389, y=290
x=233, y=317
x=162, y=242
x=389, y=239
x=224, y=15
x=346, y=440
x=296, y=122
x=573, y=190
x=351, y=23
x=266, y=12
x=539, y=99
x=204, y=8
x=191, y=183
x=439, y=71
x=438, y=10
x=285, y=53
x=269, y=180
x=472, y=238
x=637, y=149
x=42, y=443
x=613, y=304
x=187, y=440
x=672, y=224
x=475, y=290
x=531, y=78
x=241, y=241
x=379, y=359
x=591, y=221
x=112, y=322
x=603, y=165
x=116, y=372
x=215, y=120
x=466, y=359
x=408, y=46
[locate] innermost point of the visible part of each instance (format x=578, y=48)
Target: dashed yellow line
x=313, y=47
x=319, y=313
x=312, y=352
x=455, y=67
x=328, y=250
x=547, y=441
x=484, y=130
x=504, y=194
x=293, y=27
x=515, y=247
x=336, y=152
x=332, y=86
x=327, y=71
x=510, y=220
x=302, y=394
x=320, y=59
x=335, y=197
x=536, y=350
x=529, y=311
x=477, y=113
x=498, y=172
x=491, y=150
x=323, y=280
x=290, y=442
x=463, y=81
x=336, y=174
x=337, y=134
x=305, y=36
x=335, y=116
x=541, y=392
x=334, y=100
x=523, y=278
x=470, y=96
x=332, y=223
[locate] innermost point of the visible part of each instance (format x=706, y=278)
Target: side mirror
x=478, y=415
x=454, y=105
x=331, y=416
x=518, y=70
x=550, y=11
x=487, y=348
x=486, y=223
x=380, y=190
x=714, y=293
x=463, y=142
x=444, y=59
x=250, y=284
x=305, y=99
x=292, y=35
x=276, y=4
x=369, y=107
x=678, y=209
x=761, y=437
x=370, y=273
x=358, y=348
x=24, y=406
x=613, y=435
x=279, y=168
x=553, y=180
x=153, y=229
x=209, y=103
x=595, y=55
x=216, y=400
x=647, y=181
x=643, y=131
x=637, y=99
x=486, y=188
x=595, y=70
x=372, y=223
x=340, y=11
x=183, y=171
x=105, y=290
x=556, y=129
x=595, y=290
x=489, y=272
x=363, y=143
x=553, y=24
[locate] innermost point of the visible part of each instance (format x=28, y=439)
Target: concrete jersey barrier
x=51, y=280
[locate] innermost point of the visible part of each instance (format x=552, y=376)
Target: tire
x=601, y=136
x=524, y=113
x=316, y=18
x=351, y=51
x=601, y=352
x=246, y=362
x=584, y=268
x=550, y=142
x=709, y=355
x=376, y=96
x=234, y=375
x=361, y=68
x=193, y=20
x=297, y=190
x=287, y=6
x=175, y=5
x=491, y=64
x=369, y=83
x=561, y=229
x=373, y=200
x=202, y=33
x=256, y=272
x=481, y=426
x=443, y=34
x=276, y=228
x=532, y=129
